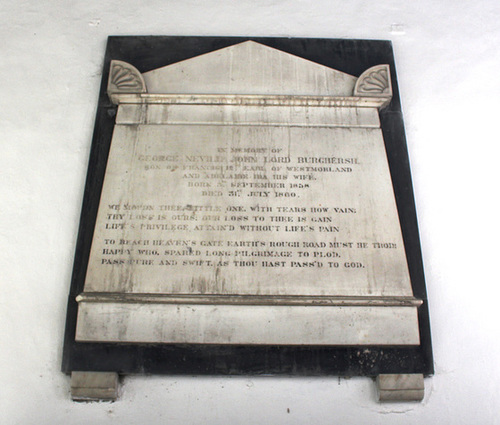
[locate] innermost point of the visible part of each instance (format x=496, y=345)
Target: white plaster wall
x=448, y=60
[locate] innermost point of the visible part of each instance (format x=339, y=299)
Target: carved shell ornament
x=375, y=81
x=125, y=78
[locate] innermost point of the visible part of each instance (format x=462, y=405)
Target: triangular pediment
x=249, y=68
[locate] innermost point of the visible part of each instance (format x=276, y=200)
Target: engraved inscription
x=241, y=210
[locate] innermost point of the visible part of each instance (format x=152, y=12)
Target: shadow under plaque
x=249, y=210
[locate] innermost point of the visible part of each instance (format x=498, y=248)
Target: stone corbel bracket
x=375, y=82
x=124, y=79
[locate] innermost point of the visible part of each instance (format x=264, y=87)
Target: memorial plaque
x=255, y=201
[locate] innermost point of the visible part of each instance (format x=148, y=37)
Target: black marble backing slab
x=349, y=56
